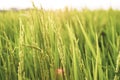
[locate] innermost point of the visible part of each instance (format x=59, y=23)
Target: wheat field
x=60, y=45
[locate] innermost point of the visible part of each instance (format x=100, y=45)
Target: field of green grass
x=60, y=45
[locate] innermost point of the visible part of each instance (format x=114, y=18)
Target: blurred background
x=60, y=4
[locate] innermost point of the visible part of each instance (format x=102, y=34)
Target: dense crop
x=60, y=45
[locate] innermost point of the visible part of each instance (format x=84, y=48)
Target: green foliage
x=59, y=45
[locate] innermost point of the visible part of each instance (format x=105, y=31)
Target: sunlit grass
x=59, y=45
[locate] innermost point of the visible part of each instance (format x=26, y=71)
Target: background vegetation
x=84, y=45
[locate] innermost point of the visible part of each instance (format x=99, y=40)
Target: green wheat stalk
x=117, y=71
x=21, y=53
